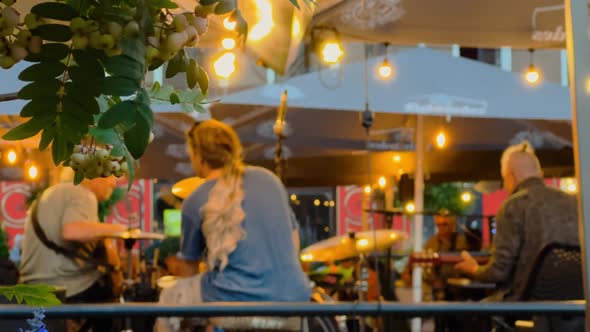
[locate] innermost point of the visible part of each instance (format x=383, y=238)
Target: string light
x=332, y=52
x=316, y=202
x=441, y=139
x=11, y=157
x=410, y=207
x=32, y=172
x=293, y=197
x=367, y=189
x=382, y=182
x=397, y=158
x=532, y=75
x=466, y=197
x=225, y=65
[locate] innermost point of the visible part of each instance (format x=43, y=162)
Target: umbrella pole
x=418, y=217
x=578, y=51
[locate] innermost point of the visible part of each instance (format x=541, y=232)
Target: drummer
x=239, y=222
x=446, y=239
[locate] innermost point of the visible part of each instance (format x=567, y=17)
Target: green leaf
x=54, y=32
x=83, y=97
x=192, y=73
x=70, y=127
x=69, y=105
x=89, y=63
x=55, y=10
x=119, y=86
x=78, y=178
x=59, y=149
x=44, y=88
x=177, y=64
x=124, y=66
x=33, y=295
x=295, y=3
x=174, y=99
x=203, y=80
x=199, y=108
x=46, y=137
x=41, y=71
x=164, y=4
x=208, y=2
x=39, y=106
x=49, y=51
x=30, y=128
x=147, y=114
x=124, y=112
x=83, y=5
x=225, y=6
x=134, y=48
x=241, y=24
x=136, y=138
x=112, y=137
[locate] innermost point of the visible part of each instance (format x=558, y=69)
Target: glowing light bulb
x=441, y=140
x=385, y=70
x=228, y=43
x=332, y=52
x=225, y=65
x=466, y=197
x=32, y=172
x=410, y=207
x=326, y=203
x=367, y=189
x=11, y=157
x=316, y=202
x=382, y=182
x=307, y=257
x=293, y=197
x=229, y=24
x=532, y=75
x=397, y=158
x=332, y=203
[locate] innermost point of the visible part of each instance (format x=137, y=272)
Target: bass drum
x=325, y=323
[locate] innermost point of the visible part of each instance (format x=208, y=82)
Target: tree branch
x=8, y=96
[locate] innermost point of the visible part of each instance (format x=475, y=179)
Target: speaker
x=405, y=188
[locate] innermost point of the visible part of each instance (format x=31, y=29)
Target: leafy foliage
x=84, y=50
x=444, y=195
x=4, y=251
x=104, y=207
x=35, y=295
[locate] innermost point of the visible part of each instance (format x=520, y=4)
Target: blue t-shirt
x=265, y=265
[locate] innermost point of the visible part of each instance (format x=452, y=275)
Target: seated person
x=446, y=239
x=240, y=222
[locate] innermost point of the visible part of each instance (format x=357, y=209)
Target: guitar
x=428, y=259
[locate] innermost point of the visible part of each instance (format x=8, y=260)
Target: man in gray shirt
x=533, y=216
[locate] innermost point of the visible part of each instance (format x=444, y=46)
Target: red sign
x=349, y=214
x=139, y=200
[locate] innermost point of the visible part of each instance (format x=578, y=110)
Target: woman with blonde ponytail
x=240, y=224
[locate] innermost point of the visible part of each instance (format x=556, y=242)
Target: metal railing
x=575, y=308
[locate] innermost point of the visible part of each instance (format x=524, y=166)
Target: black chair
x=556, y=276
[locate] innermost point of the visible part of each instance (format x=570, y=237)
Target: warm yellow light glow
x=367, y=189
x=307, y=257
x=264, y=26
x=296, y=27
x=466, y=197
x=228, y=24
x=532, y=75
x=11, y=157
x=569, y=185
x=326, y=203
x=332, y=203
x=293, y=197
x=362, y=243
x=441, y=140
x=225, y=65
x=588, y=85
x=385, y=70
x=382, y=182
x=228, y=43
x=410, y=207
x=316, y=202
x=332, y=52
x=32, y=172
x=397, y=158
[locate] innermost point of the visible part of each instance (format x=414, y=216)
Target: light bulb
x=367, y=189
x=316, y=202
x=532, y=75
x=397, y=158
x=229, y=24
x=466, y=197
x=225, y=65
x=332, y=52
x=33, y=172
x=11, y=157
x=441, y=140
x=410, y=207
x=228, y=43
x=385, y=70
x=382, y=182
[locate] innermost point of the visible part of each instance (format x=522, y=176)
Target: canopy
x=426, y=82
x=470, y=23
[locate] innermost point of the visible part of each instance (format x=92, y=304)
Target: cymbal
x=347, y=246
x=184, y=188
x=137, y=234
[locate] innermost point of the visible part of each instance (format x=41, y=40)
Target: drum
x=325, y=323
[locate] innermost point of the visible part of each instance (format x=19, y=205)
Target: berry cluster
x=105, y=37
x=14, y=47
x=95, y=162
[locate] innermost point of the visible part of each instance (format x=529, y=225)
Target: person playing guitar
x=64, y=244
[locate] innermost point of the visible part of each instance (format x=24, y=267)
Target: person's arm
x=80, y=219
x=192, y=242
x=85, y=231
x=505, y=251
x=295, y=232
